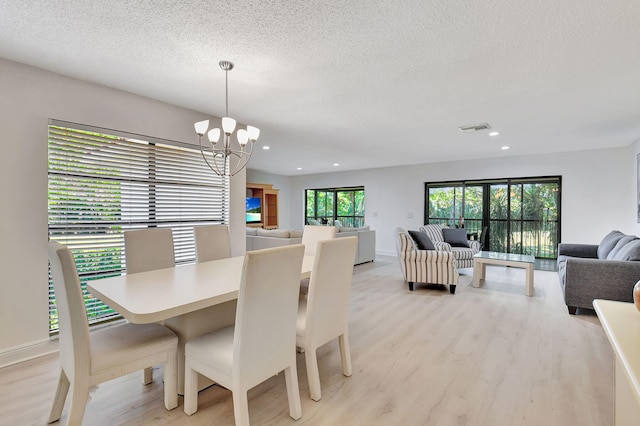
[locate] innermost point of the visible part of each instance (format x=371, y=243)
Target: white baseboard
x=24, y=353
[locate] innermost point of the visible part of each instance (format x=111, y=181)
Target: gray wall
x=29, y=97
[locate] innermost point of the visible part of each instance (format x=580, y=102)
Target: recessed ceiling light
x=336, y=164
x=494, y=133
x=299, y=168
x=266, y=147
x=504, y=148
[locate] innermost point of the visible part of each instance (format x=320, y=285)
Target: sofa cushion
x=277, y=233
x=295, y=233
x=630, y=251
x=252, y=231
x=608, y=243
x=619, y=245
x=422, y=240
x=456, y=237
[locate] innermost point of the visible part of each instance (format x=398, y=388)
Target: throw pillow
x=422, y=240
x=457, y=237
x=613, y=254
x=608, y=243
x=630, y=251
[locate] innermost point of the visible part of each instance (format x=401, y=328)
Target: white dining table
x=191, y=300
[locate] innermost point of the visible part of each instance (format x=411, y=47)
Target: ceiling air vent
x=474, y=127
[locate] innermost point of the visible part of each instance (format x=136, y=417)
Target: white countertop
x=621, y=323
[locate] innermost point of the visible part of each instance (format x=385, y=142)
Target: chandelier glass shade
x=218, y=155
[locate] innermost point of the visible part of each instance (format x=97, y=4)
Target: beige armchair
x=463, y=255
x=425, y=266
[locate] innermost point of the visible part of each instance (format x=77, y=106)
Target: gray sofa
x=608, y=270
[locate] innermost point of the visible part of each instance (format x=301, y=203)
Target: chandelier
x=217, y=156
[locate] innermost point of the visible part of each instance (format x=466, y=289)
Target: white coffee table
x=484, y=258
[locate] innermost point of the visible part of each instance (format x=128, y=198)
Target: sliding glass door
x=507, y=215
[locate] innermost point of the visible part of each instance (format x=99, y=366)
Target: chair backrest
x=212, y=242
x=265, y=329
x=329, y=289
x=148, y=249
x=404, y=243
x=434, y=232
x=75, y=349
x=314, y=233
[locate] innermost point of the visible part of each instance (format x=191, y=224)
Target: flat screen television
x=254, y=210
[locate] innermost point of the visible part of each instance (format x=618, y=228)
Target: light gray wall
x=596, y=194
x=28, y=98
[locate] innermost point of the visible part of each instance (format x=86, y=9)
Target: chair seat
x=114, y=346
x=214, y=349
x=463, y=252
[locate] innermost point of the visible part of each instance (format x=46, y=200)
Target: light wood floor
x=484, y=356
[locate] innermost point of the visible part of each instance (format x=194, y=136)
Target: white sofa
x=366, y=243
x=258, y=238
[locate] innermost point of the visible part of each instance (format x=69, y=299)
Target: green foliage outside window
x=523, y=214
x=76, y=205
x=343, y=204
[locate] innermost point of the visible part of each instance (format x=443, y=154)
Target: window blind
x=103, y=182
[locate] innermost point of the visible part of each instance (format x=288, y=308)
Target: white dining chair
x=311, y=234
x=212, y=242
x=147, y=250
x=261, y=343
x=324, y=314
x=90, y=358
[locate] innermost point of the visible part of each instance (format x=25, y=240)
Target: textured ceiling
x=363, y=83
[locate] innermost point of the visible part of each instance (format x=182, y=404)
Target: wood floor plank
x=484, y=356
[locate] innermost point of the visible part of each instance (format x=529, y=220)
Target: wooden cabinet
x=269, y=204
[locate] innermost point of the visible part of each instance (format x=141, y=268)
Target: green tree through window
x=345, y=205
x=515, y=215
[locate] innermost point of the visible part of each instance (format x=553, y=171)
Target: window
x=519, y=215
x=103, y=182
x=345, y=205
